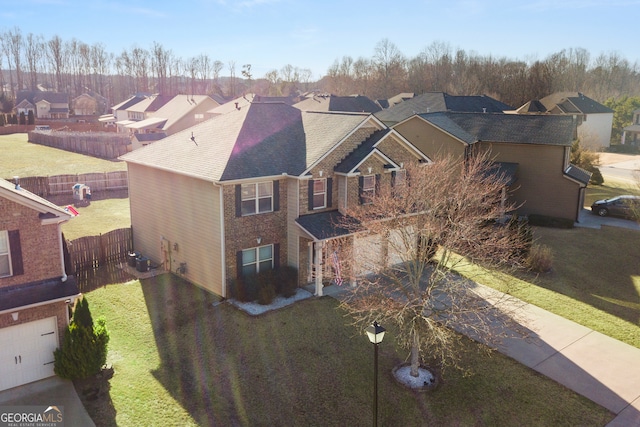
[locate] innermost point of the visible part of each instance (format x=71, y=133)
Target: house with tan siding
x=260, y=186
x=35, y=291
x=535, y=149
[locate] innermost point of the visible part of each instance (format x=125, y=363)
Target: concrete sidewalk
x=602, y=369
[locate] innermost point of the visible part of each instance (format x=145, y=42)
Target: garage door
x=26, y=352
x=368, y=254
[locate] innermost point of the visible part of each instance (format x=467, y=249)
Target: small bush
x=244, y=288
x=540, y=259
x=286, y=281
x=521, y=226
x=84, y=349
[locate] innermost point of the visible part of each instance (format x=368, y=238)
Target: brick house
x=260, y=186
x=34, y=290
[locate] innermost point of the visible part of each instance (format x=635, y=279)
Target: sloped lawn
x=179, y=360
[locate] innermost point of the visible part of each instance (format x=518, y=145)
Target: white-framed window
x=368, y=189
x=258, y=259
x=400, y=178
x=319, y=193
x=5, y=254
x=257, y=198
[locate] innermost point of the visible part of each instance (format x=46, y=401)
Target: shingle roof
x=16, y=296
x=360, y=153
x=355, y=104
x=512, y=128
x=327, y=225
x=145, y=137
x=574, y=102
x=52, y=97
x=432, y=102
x=578, y=174
x=259, y=139
x=9, y=190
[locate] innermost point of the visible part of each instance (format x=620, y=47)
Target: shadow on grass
x=95, y=394
x=90, y=280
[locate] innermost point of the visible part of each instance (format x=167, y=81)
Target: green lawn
x=100, y=217
x=21, y=158
x=180, y=361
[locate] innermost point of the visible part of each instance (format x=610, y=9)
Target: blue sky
x=269, y=34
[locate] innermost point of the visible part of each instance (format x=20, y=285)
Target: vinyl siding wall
x=431, y=141
x=542, y=187
x=187, y=213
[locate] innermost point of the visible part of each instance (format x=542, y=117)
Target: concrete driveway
x=588, y=220
x=53, y=391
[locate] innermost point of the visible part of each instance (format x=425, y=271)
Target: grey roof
x=355, y=104
x=327, y=225
x=511, y=128
x=145, y=137
x=259, y=139
x=578, y=174
x=432, y=102
x=9, y=190
x=52, y=97
x=16, y=296
x=533, y=106
x=574, y=102
x=361, y=153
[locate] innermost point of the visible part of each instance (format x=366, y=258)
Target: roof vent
x=16, y=179
x=484, y=109
x=237, y=108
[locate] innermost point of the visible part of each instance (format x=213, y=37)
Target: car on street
x=624, y=206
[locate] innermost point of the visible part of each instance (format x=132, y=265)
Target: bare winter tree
x=435, y=220
x=55, y=55
x=33, y=50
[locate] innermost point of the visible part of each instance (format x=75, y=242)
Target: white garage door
x=368, y=254
x=26, y=352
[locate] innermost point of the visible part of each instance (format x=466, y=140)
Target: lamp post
x=375, y=333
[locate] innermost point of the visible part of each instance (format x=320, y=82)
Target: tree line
x=75, y=67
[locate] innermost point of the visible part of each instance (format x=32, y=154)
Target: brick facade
x=242, y=232
x=39, y=243
x=58, y=309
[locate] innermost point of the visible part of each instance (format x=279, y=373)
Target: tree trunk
x=415, y=355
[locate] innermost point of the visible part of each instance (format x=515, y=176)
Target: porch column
x=317, y=262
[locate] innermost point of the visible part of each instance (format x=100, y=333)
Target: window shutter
x=377, y=187
x=393, y=178
x=310, y=195
x=239, y=264
x=276, y=196
x=329, y=192
x=360, y=185
x=238, y=200
x=276, y=255
x=17, y=267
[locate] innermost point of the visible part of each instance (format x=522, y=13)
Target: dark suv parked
x=624, y=206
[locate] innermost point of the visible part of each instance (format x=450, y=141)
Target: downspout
x=61, y=247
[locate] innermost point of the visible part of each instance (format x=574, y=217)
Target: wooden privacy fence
x=106, y=145
x=90, y=252
x=45, y=186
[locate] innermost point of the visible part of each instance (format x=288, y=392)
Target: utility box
x=131, y=258
x=142, y=264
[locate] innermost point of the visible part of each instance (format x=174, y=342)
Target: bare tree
x=13, y=46
x=432, y=222
x=389, y=63
x=55, y=55
x=33, y=52
x=232, y=78
x=160, y=61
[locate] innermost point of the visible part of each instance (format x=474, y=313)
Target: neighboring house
x=119, y=116
x=386, y=103
x=631, y=133
x=432, y=102
x=89, y=104
x=24, y=107
x=46, y=105
x=534, y=150
x=35, y=292
x=179, y=113
x=594, y=121
x=260, y=186
x=327, y=102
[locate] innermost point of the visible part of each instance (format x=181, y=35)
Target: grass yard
x=21, y=158
x=180, y=361
x=101, y=216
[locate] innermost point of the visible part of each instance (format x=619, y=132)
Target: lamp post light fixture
x=375, y=332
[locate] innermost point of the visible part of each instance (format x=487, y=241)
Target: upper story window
x=367, y=188
x=258, y=259
x=319, y=193
x=5, y=256
x=257, y=198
